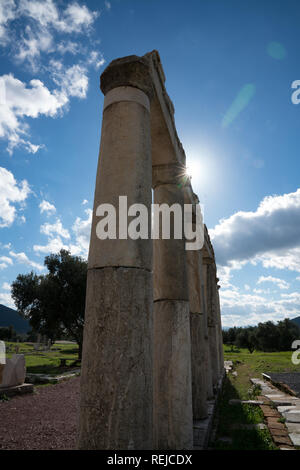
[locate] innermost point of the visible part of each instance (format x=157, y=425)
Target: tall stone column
x=173, y=420
x=212, y=323
x=116, y=378
x=197, y=322
x=208, y=358
x=221, y=350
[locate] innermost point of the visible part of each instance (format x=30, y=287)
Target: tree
x=246, y=338
x=54, y=303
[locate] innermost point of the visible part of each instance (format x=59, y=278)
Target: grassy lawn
x=230, y=417
x=46, y=362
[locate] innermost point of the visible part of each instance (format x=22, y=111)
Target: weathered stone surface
x=128, y=71
x=124, y=169
x=14, y=372
x=295, y=438
x=169, y=256
x=293, y=427
x=199, y=386
x=116, y=378
x=292, y=416
x=173, y=420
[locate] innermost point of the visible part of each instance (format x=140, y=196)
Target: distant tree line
x=267, y=337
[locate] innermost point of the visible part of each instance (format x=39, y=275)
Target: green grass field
x=230, y=417
x=46, y=362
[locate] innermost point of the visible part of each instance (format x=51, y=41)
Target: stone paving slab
x=282, y=409
x=293, y=427
x=235, y=401
x=292, y=416
x=295, y=438
x=287, y=435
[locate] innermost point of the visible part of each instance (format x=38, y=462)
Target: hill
x=296, y=320
x=8, y=317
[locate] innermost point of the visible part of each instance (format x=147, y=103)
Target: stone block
x=14, y=372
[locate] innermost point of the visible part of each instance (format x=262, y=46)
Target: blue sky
x=229, y=67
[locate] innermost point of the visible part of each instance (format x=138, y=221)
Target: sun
x=193, y=169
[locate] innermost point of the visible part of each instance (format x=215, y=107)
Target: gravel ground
x=46, y=419
x=291, y=379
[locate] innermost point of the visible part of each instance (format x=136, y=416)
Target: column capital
x=173, y=173
x=130, y=71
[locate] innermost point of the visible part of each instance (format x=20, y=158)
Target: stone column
x=116, y=377
x=211, y=318
x=208, y=359
x=221, y=350
x=197, y=322
x=173, y=420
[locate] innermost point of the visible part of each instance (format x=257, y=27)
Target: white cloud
x=6, y=286
x=54, y=245
x=275, y=280
x=82, y=231
x=77, y=18
x=20, y=101
x=22, y=258
x=74, y=19
x=56, y=228
x=5, y=261
x=270, y=234
x=32, y=44
x=11, y=192
x=43, y=28
x=70, y=47
x=96, y=59
x=6, y=299
x=107, y=5
x=72, y=81
x=47, y=207
x=247, y=287
x=79, y=244
x=84, y=202
x=240, y=309
x=7, y=13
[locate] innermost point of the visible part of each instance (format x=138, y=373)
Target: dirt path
x=44, y=420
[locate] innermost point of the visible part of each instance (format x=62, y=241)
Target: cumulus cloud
x=82, y=231
x=275, y=280
x=240, y=309
x=44, y=27
x=47, y=207
x=11, y=193
x=55, y=229
x=7, y=13
x=19, y=101
x=74, y=18
x=77, y=243
x=54, y=245
x=22, y=258
x=270, y=234
x=5, y=261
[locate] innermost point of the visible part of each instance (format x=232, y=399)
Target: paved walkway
x=286, y=406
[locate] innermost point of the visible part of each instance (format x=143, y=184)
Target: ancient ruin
x=153, y=351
